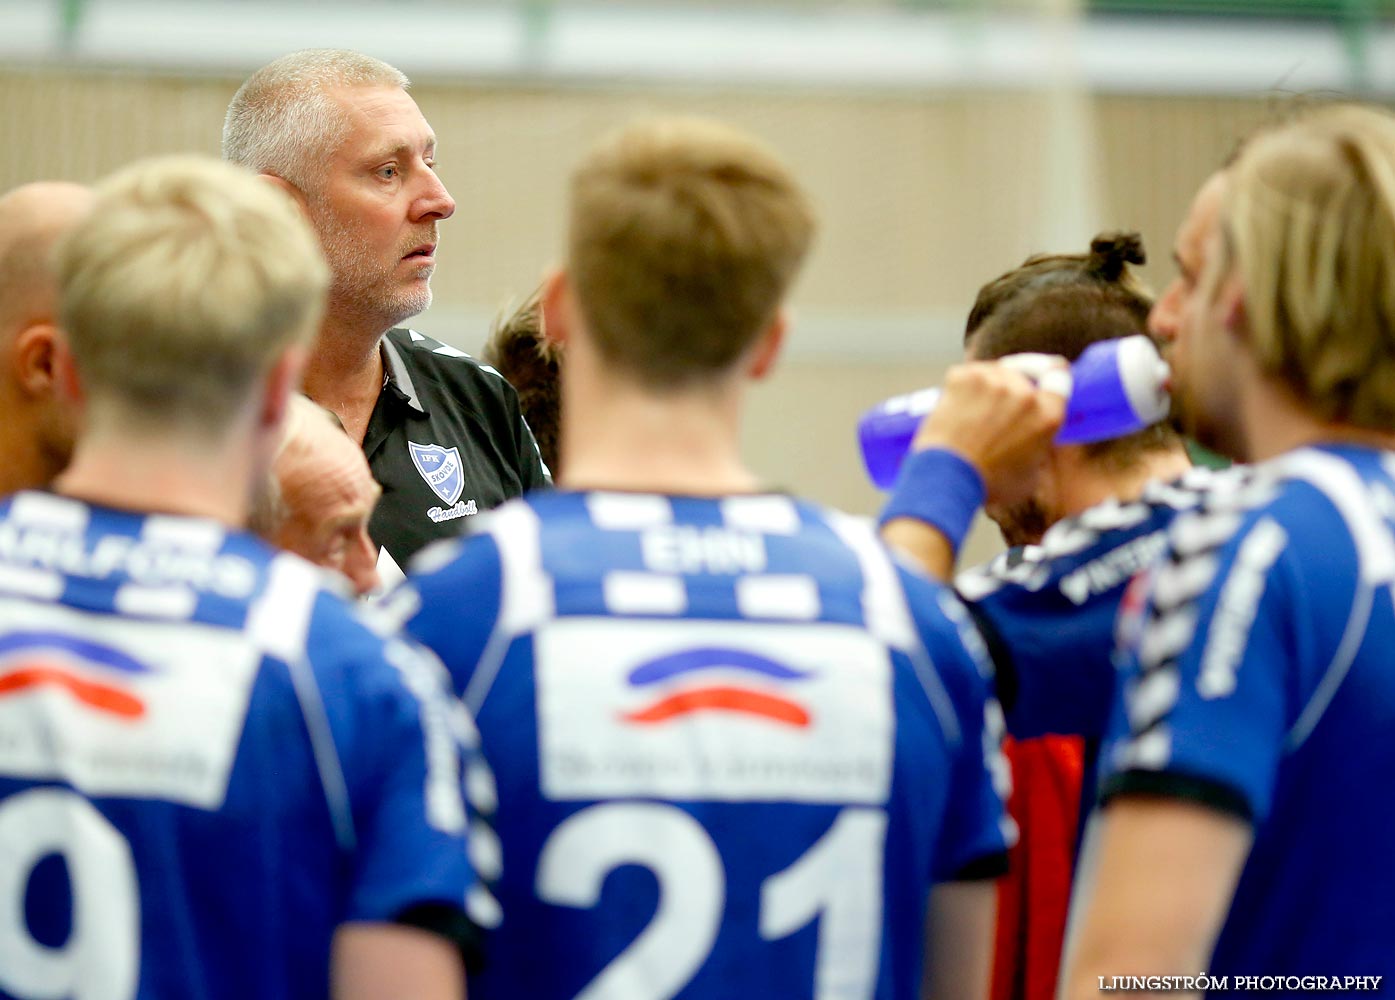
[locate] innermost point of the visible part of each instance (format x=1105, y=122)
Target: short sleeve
x=977, y=831
x=407, y=790
x=1210, y=655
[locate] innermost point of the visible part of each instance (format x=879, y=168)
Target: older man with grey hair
x=443, y=434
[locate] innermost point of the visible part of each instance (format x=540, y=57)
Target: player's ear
x=34, y=356
x=766, y=350
x=1064, y=465
x=295, y=193
x=1233, y=312
x=558, y=305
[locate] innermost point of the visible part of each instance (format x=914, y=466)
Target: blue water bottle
x=1119, y=386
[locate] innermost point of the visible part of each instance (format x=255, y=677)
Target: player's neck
x=1276, y=421
x=24, y=463
x=618, y=436
x=345, y=373
x=153, y=473
x=1091, y=486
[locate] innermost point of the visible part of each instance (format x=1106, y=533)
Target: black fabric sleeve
x=990, y=866
x=450, y=923
x=1159, y=784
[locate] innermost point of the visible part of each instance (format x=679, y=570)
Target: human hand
x=1000, y=416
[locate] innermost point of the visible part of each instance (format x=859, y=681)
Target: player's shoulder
x=515, y=523
x=427, y=603
x=1309, y=517
x=1318, y=517
x=153, y=567
x=1288, y=542
x=1096, y=552
x=447, y=366
x=1326, y=505
x=303, y=612
x=306, y=624
x=168, y=575
x=1338, y=490
x=921, y=618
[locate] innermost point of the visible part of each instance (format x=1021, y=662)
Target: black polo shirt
x=446, y=440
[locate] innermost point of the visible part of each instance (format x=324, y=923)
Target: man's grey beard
x=359, y=285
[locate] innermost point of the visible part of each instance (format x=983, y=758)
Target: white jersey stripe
x=155, y=602
x=22, y=581
x=790, y=597
x=526, y=593
x=629, y=593
x=204, y=537
x=769, y=515
x=1341, y=484
x=279, y=622
x=628, y=512
x=279, y=619
x=887, y=615
x=49, y=511
x=1337, y=670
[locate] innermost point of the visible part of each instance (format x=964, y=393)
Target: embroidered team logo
x=441, y=469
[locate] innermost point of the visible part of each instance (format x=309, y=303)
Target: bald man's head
x=320, y=495
x=36, y=436
x=32, y=218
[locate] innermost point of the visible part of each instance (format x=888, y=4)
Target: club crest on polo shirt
x=441, y=469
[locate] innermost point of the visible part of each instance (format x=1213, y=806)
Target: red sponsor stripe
x=726, y=699
x=99, y=696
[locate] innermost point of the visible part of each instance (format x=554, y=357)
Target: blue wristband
x=939, y=487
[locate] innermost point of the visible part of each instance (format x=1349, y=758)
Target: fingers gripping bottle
x=1119, y=386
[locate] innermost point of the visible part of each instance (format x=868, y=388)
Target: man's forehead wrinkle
x=388, y=117
x=389, y=150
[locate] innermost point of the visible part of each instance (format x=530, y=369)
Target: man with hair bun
x=443, y=434
x=1061, y=304
x=741, y=751
x=1244, y=824
x=215, y=779
x=1047, y=606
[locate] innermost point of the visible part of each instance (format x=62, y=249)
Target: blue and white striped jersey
x=1048, y=610
x=1260, y=681
x=735, y=744
x=207, y=763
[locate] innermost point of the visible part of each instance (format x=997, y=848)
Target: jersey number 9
x=101, y=958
